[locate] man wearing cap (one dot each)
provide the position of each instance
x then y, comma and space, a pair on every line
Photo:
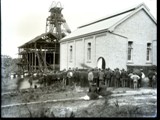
154, 79
150, 76
90, 77
117, 77
64, 75
96, 77
108, 77
70, 76
141, 78
101, 76
135, 79
123, 78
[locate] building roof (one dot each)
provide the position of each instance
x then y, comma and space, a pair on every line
107, 23
38, 38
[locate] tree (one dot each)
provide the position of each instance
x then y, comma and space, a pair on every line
9, 65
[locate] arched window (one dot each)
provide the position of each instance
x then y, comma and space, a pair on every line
89, 51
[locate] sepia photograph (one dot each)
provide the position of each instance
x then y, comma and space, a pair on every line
78, 58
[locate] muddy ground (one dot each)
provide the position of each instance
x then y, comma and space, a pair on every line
123, 102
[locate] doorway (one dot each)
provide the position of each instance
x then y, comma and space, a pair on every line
101, 63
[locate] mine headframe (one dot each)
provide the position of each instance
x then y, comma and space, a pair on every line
55, 22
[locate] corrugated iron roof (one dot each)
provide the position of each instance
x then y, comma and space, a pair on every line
37, 38
104, 23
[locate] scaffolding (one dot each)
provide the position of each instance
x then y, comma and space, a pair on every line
40, 54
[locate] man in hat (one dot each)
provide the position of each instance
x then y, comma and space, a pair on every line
64, 75
154, 79
150, 76
76, 76
142, 77
117, 77
130, 81
108, 77
96, 77
123, 78
70, 76
90, 77
101, 76
135, 79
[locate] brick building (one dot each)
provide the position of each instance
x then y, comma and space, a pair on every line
125, 39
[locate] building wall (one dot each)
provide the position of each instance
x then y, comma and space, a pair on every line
115, 51
154, 52
79, 53
63, 56
111, 47
140, 29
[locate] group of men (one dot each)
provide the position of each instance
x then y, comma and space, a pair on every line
121, 78
114, 78
110, 78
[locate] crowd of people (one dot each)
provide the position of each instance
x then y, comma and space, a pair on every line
97, 77
121, 78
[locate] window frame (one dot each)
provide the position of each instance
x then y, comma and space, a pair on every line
130, 51
89, 48
148, 52
70, 53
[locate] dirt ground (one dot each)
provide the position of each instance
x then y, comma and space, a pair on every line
123, 102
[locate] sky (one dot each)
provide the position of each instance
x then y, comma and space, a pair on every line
23, 20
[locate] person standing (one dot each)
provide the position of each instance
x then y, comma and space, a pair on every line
135, 79
90, 77
101, 76
96, 77
154, 79
130, 81
117, 76
52, 77
30, 81
142, 77
113, 78
76, 77
69, 76
123, 78
150, 76
64, 75
108, 77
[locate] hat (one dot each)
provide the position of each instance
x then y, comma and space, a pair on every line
153, 69
93, 84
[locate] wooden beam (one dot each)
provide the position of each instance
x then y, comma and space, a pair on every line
35, 58
32, 61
